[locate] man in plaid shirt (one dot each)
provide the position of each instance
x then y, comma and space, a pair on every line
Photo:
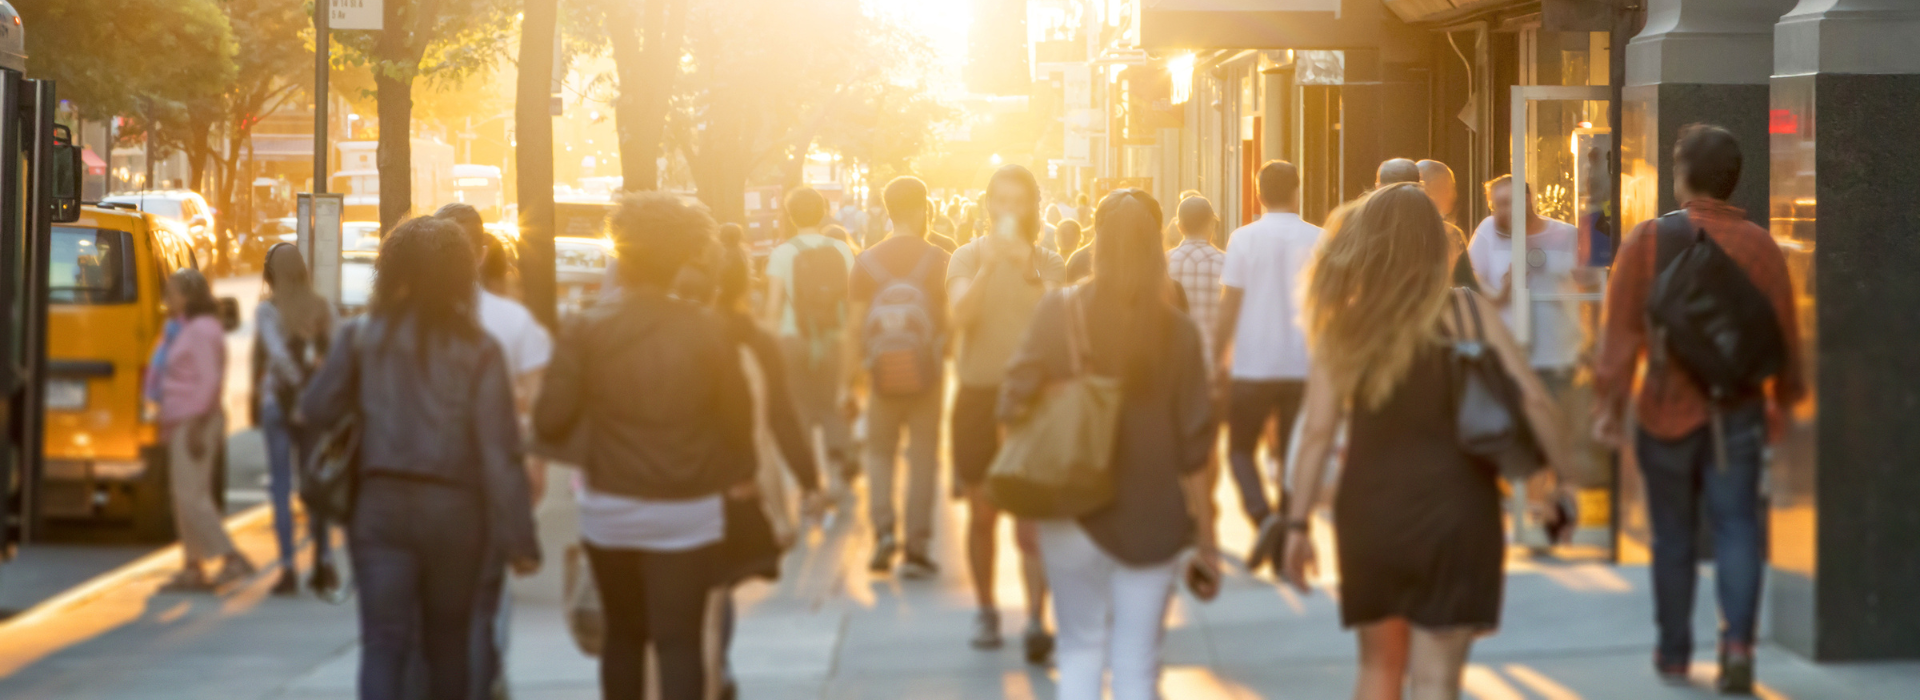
1196, 264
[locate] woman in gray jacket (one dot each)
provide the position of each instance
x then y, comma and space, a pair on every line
441, 482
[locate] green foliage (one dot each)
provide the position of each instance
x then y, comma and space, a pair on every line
443, 41
112, 57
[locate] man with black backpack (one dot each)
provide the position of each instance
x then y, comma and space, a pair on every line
807, 307
898, 331
1704, 295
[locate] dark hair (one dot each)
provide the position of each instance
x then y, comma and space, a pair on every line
303, 314
654, 234
1279, 184
805, 207
468, 218
1127, 317
494, 267
1060, 234
731, 234
199, 295
906, 199
1020, 176
1711, 158
426, 270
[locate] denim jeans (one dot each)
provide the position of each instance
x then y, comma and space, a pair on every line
282, 441
418, 548
1251, 405
1681, 477
659, 599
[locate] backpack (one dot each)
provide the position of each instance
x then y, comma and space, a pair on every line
819, 288
898, 335
1707, 315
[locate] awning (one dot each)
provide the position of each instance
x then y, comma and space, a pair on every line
1270, 24
94, 163
283, 147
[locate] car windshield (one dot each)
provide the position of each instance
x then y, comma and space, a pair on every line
579, 257
356, 282
89, 266
160, 205
360, 236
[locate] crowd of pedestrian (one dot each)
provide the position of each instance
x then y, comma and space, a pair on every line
699, 388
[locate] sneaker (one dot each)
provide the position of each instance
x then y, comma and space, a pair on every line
986, 630
189, 580
918, 566
235, 568
289, 583
1039, 644
1736, 669
883, 550
325, 580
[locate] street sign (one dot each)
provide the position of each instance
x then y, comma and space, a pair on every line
317, 236
355, 14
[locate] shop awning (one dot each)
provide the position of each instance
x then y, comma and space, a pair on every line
94, 164
283, 147
1268, 24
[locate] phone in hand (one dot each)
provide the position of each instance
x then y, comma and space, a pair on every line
1202, 580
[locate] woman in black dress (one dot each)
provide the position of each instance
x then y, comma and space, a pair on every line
1418, 520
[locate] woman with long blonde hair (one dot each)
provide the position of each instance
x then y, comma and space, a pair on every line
1421, 550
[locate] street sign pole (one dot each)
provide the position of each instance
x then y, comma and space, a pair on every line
321, 56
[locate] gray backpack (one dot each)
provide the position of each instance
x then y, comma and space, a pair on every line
899, 336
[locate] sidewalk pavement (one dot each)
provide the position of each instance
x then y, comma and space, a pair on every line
1572, 631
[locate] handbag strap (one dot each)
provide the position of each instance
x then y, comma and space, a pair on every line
1476, 333
1077, 330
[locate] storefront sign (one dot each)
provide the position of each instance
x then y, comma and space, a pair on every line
355, 14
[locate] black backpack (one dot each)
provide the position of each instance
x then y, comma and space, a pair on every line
819, 288
1708, 316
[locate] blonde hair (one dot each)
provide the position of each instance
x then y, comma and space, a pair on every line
1376, 289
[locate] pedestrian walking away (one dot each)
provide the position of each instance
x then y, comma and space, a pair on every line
1440, 185
188, 381
526, 347
292, 331
995, 282
807, 306
656, 383
1260, 351
897, 346
1113, 570
442, 481
1421, 552
1196, 265
1700, 451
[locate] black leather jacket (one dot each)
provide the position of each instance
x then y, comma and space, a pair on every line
444, 416
657, 386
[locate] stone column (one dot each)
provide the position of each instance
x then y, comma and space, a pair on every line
1845, 161
1696, 61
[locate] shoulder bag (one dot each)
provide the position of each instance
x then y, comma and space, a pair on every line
1056, 461
1490, 423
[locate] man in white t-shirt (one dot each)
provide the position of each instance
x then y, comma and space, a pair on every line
1552, 258
810, 337
1260, 353
527, 347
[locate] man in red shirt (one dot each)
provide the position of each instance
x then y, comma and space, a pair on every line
1675, 444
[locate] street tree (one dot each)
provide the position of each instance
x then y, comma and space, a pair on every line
441, 41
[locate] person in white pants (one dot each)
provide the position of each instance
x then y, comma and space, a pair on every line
1113, 568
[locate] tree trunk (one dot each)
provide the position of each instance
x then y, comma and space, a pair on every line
647, 57
533, 156
394, 154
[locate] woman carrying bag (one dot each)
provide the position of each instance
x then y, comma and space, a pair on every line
293, 328
440, 485
1418, 508
1114, 566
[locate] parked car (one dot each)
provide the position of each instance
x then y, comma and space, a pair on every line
186, 207
106, 277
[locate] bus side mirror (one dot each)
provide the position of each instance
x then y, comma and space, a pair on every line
65, 170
